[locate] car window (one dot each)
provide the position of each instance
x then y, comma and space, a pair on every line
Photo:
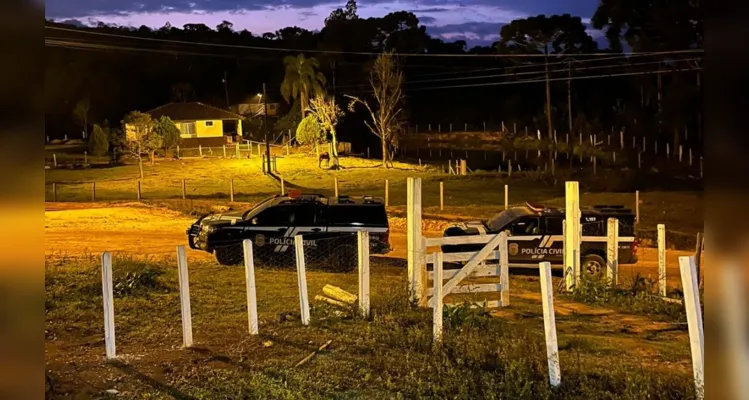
525, 226
304, 215
554, 226
350, 214
277, 216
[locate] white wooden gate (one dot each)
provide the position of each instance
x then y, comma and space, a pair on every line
486, 271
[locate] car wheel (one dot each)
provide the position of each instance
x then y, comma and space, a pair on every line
229, 255
343, 258
593, 265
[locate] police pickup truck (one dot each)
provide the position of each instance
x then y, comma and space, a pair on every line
535, 235
328, 226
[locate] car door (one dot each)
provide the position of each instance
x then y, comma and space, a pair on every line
552, 243
525, 239
272, 227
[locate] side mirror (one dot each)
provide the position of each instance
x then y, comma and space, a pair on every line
254, 221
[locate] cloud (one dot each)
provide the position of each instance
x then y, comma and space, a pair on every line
430, 10
423, 19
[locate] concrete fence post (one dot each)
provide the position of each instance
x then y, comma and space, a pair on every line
612, 252
184, 296
108, 296
93, 191
363, 242
694, 321
504, 270
387, 192
662, 259
249, 273
437, 294
283, 189
223, 147
550, 329
231, 190
301, 279
442, 196
184, 189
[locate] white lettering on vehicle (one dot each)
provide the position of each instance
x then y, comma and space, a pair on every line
541, 251
287, 241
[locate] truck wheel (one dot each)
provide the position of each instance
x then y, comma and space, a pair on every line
593, 265
343, 258
229, 255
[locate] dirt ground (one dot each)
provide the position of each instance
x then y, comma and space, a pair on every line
135, 229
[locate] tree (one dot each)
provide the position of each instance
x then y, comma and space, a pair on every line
327, 113
170, 135
139, 136
385, 79
310, 132
301, 80
80, 113
98, 143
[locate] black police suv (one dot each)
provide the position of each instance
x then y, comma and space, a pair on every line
328, 227
535, 235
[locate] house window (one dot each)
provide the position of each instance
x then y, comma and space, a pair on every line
208, 123
187, 129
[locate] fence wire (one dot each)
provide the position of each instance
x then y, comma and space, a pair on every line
330, 254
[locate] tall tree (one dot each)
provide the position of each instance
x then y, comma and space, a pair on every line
80, 113
302, 80
167, 131
385, 80
139, 137
325, 109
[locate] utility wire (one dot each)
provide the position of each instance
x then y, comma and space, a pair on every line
232, 46
557, 79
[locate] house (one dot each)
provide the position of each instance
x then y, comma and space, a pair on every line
253, 105
201, 124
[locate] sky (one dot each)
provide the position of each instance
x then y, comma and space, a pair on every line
476, 21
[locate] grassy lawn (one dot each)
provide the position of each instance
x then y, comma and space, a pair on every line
475, 196
605, 353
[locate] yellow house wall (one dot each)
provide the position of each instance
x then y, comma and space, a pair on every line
201, 130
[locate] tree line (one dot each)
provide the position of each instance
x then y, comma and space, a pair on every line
544, 72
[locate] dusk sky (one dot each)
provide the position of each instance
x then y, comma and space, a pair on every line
476, 21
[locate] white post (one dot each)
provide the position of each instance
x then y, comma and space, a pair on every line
301, 277
442, 196
336, 186
504, 271
662, 260
54, 160
680, 152
734, 326
507, 197
363, 237
107, 292
184, 296
550, 328
612, 252
249, 274
572, 235
637, 206
621, 139
200, 150
387, 192
283, 188
437, 293
414, 241
694, 321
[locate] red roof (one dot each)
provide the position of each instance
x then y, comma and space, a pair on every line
194, 111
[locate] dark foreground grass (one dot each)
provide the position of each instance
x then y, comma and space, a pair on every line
389, 356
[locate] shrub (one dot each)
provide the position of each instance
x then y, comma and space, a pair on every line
98, 143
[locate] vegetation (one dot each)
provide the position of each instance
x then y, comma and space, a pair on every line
167, 132
310, 132
386, 80
389, 356
98, 143
327, 113
302, 80
140, 137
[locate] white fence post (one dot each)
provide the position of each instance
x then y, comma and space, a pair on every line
550, 328
442, 196
249, 274
694, 321
437, 293
301, 276
107, 292
504, 270
416, 265
363, 237
637, 206
507, 197
572, 235
734, 326
387, 192
184, 296
612, 252
662, 260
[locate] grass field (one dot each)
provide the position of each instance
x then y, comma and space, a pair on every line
605, 353
478, 195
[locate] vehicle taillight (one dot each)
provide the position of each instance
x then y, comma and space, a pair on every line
635, 244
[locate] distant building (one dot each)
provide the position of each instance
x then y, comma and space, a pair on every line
254, 106
201, 124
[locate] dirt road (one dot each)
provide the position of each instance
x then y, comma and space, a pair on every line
75, 229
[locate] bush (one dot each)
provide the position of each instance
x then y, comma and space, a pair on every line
309, 131
98, 143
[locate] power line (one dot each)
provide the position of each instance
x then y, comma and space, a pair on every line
556, 79
232, 46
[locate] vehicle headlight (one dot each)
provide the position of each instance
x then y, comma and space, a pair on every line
209, 228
